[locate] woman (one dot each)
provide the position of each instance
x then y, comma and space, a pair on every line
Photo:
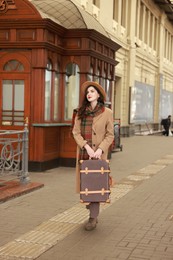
93, 132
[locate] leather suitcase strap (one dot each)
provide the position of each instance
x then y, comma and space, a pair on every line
102, 170
102, 192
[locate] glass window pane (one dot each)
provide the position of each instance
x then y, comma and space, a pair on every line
7, 95
18, 123
7, 113
18, 118
72, 80
7, 67
7, 118
19, 95
108, 91
13, 65
56, 96
97, 76
90, 74
20, 67
13, 102
47, 95
104, 81
19, 113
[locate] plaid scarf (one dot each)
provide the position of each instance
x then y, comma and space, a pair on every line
86, 127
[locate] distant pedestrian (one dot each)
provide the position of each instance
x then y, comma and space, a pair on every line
166, 123
93, 132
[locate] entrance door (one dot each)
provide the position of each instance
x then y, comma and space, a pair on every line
14, 96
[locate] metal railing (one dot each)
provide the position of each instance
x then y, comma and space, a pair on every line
14, 155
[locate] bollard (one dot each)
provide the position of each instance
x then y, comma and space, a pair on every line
24, 179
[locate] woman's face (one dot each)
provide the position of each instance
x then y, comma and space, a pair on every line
92, 94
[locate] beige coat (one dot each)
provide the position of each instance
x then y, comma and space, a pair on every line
102, 136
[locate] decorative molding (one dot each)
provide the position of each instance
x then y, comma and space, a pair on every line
123, 31
6, 5
114, 25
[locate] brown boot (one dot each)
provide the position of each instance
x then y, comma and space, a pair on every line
92, 223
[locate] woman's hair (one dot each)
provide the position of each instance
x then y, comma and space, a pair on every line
86, 103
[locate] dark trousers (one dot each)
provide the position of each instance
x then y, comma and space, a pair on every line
94, 208
166, 132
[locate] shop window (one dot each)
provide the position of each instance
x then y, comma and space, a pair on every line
72, 81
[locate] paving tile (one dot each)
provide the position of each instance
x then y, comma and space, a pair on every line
14, 250
152, 169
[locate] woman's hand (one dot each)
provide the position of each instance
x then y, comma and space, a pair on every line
98, 153
89, 150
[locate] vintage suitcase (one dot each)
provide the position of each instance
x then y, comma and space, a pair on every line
94, 181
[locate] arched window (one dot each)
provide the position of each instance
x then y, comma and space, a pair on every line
13, 65
72, 79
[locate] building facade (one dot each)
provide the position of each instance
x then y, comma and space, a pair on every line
143, 92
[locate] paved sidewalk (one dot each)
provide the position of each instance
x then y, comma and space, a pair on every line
47, 224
